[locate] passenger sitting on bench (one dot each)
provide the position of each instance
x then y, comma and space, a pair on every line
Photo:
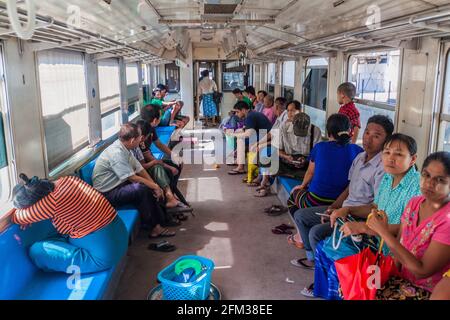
298, 136
177, 119
85, 229
162, 173
149, 115
123, 181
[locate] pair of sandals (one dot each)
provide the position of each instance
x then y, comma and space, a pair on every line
283, 229
163, 246
275, 210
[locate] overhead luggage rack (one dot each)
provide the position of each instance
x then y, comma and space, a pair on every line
52, 34
395, 33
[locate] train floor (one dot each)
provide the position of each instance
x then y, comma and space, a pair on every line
229, 227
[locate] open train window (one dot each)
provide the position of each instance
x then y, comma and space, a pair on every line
444, 130
62, 83
271, 78
315, 89
288, 80
233, 78
109, 86
173, 77
376, 77
132, 71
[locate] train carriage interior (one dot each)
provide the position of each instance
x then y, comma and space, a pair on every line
138, 133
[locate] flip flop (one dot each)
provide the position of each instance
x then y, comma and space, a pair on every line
166, 233
235, 172
262, 193
285, 226
291, 241
277, 230
162, 246
277, 211
301, 263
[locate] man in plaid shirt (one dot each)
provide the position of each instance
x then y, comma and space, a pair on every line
346, 93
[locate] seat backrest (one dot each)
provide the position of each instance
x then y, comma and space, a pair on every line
86, 171
16, 267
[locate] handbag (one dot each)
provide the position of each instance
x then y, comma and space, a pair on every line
362, 274
337, 247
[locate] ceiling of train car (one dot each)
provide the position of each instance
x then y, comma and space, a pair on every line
261, 25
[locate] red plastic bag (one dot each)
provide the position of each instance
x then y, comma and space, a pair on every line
360, 275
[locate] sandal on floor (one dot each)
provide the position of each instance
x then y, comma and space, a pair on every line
262, 193
277, 210
291, 241
308, 292
236, 172
253, 184
166, 233
285, 227
162, 246
301, 264
278, 230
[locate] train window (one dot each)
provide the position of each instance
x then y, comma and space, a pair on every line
288, 82
5, 179
444, 132
271, 70
315, 88
173, 77
62, 85
233, 78
376, 76
109, 86
132, 90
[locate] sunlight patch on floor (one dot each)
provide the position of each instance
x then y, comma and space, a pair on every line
203, 189
217, 226
219, 250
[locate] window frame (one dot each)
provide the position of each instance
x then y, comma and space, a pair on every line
48, 171
224, 68
305, 76
442, 118
175, 68
286, 88
374, 103
7, 173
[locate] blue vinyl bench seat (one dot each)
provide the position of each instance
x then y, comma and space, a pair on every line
288, 183
20, 279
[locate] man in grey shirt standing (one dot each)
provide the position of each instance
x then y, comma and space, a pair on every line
365, 176
120, 177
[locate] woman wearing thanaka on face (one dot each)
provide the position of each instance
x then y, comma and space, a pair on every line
398, 185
